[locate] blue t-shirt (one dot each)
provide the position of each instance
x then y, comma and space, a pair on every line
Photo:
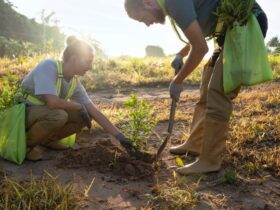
184, 12
42, 81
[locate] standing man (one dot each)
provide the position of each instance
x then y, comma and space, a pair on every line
210, 122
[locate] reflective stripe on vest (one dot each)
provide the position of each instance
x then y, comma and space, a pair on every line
218, 29
72, 86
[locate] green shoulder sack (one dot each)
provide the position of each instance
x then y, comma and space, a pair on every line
245, 60
12, 134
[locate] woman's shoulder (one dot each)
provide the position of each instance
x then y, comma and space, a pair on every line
48, 61
47, 65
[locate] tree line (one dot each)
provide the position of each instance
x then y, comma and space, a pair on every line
273, 45
21, 35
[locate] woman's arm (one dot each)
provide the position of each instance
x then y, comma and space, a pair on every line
54, 102
102, 120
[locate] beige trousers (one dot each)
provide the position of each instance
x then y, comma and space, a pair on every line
44, 125
215, 103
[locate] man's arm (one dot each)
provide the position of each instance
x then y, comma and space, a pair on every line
184, 51
178, 62
198, 49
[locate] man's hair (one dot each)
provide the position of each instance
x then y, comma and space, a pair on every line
132, 6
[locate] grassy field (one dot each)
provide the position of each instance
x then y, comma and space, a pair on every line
251, 162
118, 72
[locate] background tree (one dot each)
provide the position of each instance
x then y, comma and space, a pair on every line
273, 42
154, 51
14, 26
277, 50
273, 45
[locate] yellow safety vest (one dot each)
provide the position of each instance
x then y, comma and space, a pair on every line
70, 140
73, 84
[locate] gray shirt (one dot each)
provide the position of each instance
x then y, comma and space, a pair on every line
42, 80
184, 12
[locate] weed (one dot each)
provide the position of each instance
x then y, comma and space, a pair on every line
250, 167
230, 176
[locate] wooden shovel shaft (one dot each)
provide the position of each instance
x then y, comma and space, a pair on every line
170, 128
171, 116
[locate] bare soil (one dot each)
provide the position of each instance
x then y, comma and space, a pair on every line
122, 182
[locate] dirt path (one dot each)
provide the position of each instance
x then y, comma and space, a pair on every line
124, 183
120, 95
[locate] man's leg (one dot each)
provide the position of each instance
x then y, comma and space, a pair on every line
194, 142
219, 109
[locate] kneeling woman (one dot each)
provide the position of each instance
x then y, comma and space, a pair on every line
57, 103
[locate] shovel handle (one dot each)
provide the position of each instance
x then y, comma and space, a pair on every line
170, 128
172, 116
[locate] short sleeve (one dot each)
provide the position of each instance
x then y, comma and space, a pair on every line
182, 11
45, 76
80, 95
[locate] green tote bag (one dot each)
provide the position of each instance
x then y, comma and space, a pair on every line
12, 134
245, 59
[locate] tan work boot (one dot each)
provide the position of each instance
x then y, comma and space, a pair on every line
214, 138
55, 145
33, 154
194, 143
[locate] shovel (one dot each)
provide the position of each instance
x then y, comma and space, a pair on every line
169, 130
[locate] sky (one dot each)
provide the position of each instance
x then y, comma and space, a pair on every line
107, 22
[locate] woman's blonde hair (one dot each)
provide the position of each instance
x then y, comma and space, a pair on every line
76, 47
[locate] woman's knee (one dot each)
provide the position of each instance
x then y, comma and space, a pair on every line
59, 116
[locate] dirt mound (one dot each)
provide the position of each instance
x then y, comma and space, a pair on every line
105, 157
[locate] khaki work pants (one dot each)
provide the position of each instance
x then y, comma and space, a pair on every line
213, 101
44, 125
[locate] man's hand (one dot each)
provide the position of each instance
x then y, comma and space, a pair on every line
85, 116
175, 90
177, 63
125, 142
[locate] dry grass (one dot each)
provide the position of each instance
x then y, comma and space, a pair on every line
119, 72
39, 193
174, 194
254, 142
127, 71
